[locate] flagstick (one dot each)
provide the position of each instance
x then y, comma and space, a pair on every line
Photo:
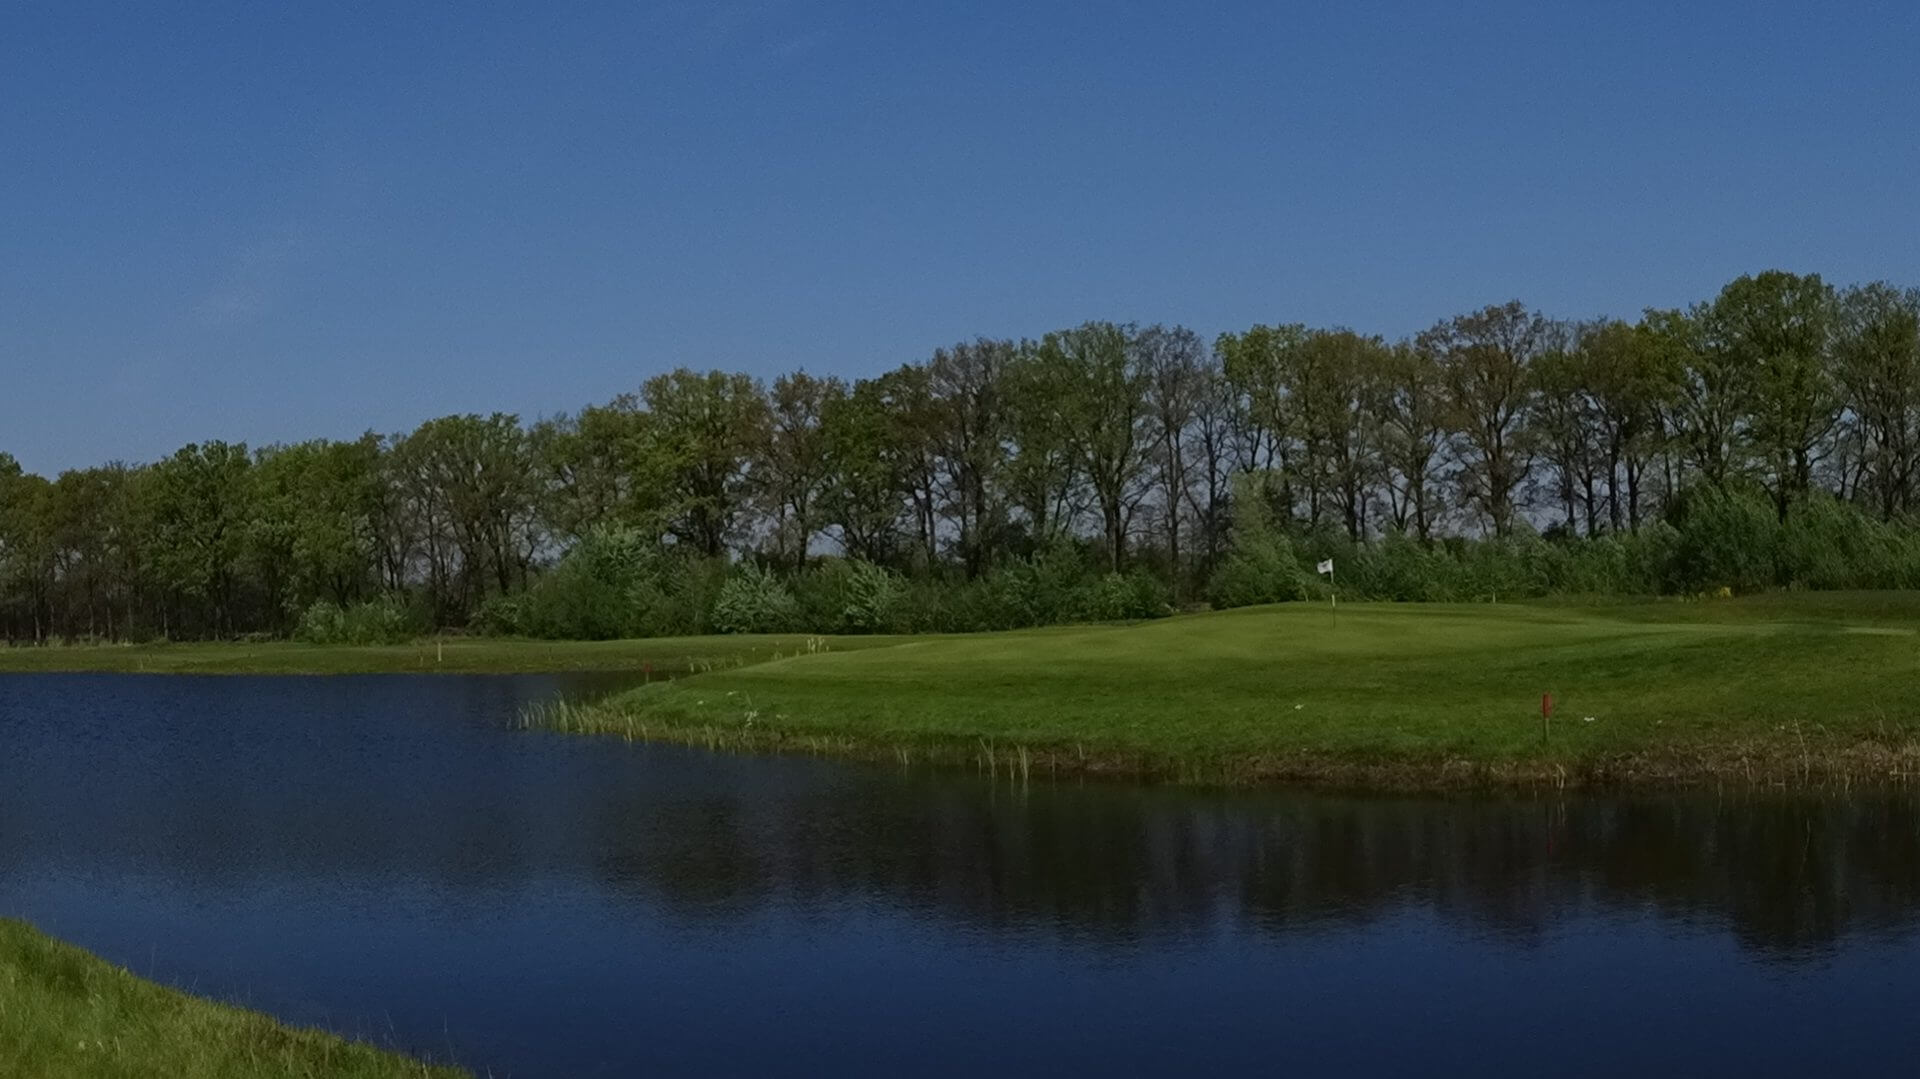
1333, 592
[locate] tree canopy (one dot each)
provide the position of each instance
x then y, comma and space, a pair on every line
1141, 447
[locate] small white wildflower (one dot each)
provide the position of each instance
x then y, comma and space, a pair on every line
1590, 719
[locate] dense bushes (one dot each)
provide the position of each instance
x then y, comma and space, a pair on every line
1262, 568
1829, 544
619, 584
1735, 539
755, 601
377, 621
1712, 539
1725, 539
850, 596
613, 584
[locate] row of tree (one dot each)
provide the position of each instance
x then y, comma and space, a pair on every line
1136, 442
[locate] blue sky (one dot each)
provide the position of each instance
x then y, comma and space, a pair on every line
264, 223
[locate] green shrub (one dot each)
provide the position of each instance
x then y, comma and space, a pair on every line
1411, 572
847, 595
374, 621
926, 606
1123, 597
1724, 537
1827, 543
569, 601
1262, 569
753, 600
1261, 566
614, 583
1041, 590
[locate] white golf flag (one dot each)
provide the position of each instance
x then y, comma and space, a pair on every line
1326, 566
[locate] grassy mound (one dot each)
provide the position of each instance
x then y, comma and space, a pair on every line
1794, 689
65, 1013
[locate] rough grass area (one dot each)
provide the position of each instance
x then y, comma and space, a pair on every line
666, 655
1790, 689
65, 1014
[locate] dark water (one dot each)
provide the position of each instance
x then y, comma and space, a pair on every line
382, 856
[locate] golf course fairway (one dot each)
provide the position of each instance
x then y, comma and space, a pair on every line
1797, 689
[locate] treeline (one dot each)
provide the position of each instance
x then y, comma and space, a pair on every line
1767, 437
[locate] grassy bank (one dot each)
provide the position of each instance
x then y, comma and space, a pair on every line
675, 655
65, 1014
1795, 689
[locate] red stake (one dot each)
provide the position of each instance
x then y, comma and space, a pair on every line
1546, 706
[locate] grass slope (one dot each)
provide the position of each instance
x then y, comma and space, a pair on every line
65, 1013
677, 655
1796, 688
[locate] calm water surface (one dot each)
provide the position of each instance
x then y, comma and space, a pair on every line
383, 856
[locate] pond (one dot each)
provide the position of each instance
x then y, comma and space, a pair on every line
385, 856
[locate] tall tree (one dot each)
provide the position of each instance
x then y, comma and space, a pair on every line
1878, 354
966, 383
27, 546
793, 463
472, 478
1777, 329
331, 497
1567, 431
862, 497
197, 512
1097, 380
1211, 449
1257, 364
1631, 379
94, 550
1337, 393
1174, 359
704, 433
1413, 434
1707, 413
1043, 472
1485, 362
907, 394
593, 470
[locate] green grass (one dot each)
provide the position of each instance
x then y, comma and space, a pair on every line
65, 1013
1798, 689
677, 655
1795, 688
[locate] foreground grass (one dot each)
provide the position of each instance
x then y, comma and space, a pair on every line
666, 655
65, 1013
1809, 689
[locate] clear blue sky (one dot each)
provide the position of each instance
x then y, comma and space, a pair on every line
234, 220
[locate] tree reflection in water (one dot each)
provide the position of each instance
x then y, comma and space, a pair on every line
1788, 876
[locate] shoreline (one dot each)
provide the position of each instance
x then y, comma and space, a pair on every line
1787, 763
70, 1012
1805, 691
663, 656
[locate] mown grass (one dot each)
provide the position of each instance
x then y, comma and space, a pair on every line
1794, 689
665, 655
65, 1014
